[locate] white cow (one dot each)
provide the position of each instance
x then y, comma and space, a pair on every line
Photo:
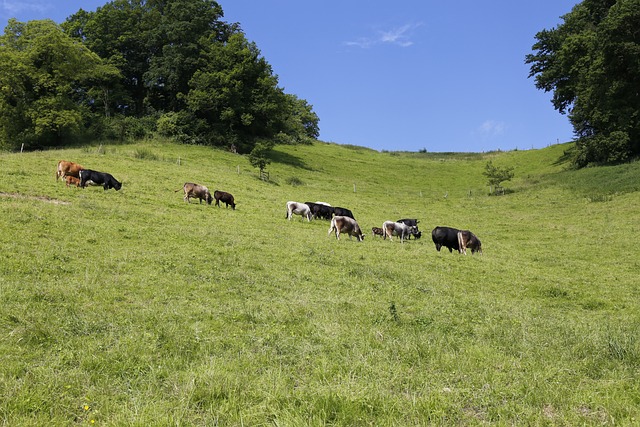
392, 228
298, 209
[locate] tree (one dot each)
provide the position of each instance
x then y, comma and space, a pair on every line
591, 62
259, 155
497, 175
45, 79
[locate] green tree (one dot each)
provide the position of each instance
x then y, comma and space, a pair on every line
259, 156
497, 175
45, 79
591, 62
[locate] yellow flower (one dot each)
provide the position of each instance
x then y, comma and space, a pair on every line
86, 407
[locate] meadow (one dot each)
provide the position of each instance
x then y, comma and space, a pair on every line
134, 308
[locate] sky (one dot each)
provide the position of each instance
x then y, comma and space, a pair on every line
406, 75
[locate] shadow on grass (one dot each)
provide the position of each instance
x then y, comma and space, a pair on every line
288, 159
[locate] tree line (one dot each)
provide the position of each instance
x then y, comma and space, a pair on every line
591, 63
133, 67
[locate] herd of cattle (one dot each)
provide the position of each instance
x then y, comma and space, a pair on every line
342, 219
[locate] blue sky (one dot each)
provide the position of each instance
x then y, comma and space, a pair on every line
404, 75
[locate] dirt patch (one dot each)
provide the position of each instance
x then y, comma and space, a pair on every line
40, 198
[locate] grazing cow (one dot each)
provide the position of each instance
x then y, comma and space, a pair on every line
466, 239
391, 228
345, 224
196, 191
225, 197
447, 237
99, 178
320, 210
414, 223
377, 231
72, 180
298, 209
337, 211
66, 168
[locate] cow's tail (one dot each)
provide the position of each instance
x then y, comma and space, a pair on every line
58, 170
332, 227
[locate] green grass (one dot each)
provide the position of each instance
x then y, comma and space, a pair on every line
136, 308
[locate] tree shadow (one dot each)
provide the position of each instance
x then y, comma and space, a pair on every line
288, 159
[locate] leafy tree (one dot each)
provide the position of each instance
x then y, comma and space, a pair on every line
45, 77
591, 62
259, 156
497, 175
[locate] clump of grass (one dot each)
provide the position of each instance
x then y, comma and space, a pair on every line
599, 198
145, 154
294, 181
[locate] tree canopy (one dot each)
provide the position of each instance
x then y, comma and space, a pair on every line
171, 65
591, 63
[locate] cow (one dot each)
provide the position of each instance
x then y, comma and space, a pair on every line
66, 168
414, 223
72, 180
298, 209
466, 239
225, 197
345, 224
337, 211
99, 178
321, 210
391, 228
447, 237
196, 191
377, 231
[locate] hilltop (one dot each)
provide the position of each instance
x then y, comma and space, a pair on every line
134, 307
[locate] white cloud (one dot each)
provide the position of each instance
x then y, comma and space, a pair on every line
18, 6
491, 128
400, 36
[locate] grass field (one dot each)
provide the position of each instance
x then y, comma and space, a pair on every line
135, 308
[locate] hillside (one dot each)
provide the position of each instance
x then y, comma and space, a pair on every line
136, 308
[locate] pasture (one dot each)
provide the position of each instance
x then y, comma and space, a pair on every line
136, 308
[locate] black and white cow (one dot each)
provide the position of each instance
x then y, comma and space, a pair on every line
321, 210
99, 178
337, 211
345, 224
298, 209
392, 228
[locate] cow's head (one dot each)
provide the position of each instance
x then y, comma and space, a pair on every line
208, 198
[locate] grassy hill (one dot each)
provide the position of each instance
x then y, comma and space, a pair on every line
136, 308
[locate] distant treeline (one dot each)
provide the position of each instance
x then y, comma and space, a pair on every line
136, 67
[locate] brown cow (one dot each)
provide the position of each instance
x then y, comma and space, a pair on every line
377, 231
72, 180
196, 191
225, 197
66, 168
344, 224
466, 239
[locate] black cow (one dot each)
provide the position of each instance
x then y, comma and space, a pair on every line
225, 197
447, 237
322, 211
99, 178
337, 211
412, 223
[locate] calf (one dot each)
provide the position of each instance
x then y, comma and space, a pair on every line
72, 180
466, 239
66, 168
298, 209
447, 237
337, 211
196, 191
377, 231
99, 178
345, 224
391, 228
225, 197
